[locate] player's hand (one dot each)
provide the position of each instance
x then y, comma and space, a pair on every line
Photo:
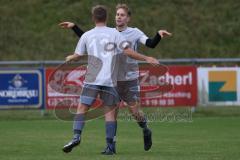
164, 33
73, 57
69, 58
66, 25
152, 61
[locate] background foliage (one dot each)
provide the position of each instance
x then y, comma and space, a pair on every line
201, 29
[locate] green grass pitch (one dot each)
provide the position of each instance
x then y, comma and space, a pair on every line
205, 138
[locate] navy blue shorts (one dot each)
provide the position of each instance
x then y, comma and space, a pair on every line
129, 91
108, 95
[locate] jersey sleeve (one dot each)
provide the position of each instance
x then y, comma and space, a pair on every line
152, 42
78, 31
81, 46
142, 38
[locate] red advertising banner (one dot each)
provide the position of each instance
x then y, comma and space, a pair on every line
62, 87
163, 87
176, 87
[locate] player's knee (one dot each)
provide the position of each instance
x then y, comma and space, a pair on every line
132, 104
134, 109
110, 116
110, 113
82, 108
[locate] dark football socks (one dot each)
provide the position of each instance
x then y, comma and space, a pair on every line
78, 125
111, 127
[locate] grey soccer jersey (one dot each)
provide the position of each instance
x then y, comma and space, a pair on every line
129, 67
102, 45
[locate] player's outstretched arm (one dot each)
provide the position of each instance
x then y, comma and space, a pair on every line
72, 57
164, 33
66, 25
69, 25
152, 42
131, 53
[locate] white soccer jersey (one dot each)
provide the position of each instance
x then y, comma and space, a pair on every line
129, 67
102, 44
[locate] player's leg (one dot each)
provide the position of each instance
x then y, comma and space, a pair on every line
88, 96
142, 122
115, 114
115, 135
78, 125
111, 100
129, 91
110, 129
137, 113
79, 120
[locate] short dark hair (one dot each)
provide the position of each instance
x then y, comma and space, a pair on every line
124, 7
99, 13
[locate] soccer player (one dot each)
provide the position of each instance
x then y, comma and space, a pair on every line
103, 45
128, 77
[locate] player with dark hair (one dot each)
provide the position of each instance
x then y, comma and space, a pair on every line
94, 43
128, 85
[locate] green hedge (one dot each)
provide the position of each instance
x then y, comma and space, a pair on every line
201, 28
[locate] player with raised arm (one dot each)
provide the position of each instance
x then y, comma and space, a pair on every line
128, 85
94, 43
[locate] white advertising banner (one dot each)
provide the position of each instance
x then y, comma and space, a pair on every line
218, 86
